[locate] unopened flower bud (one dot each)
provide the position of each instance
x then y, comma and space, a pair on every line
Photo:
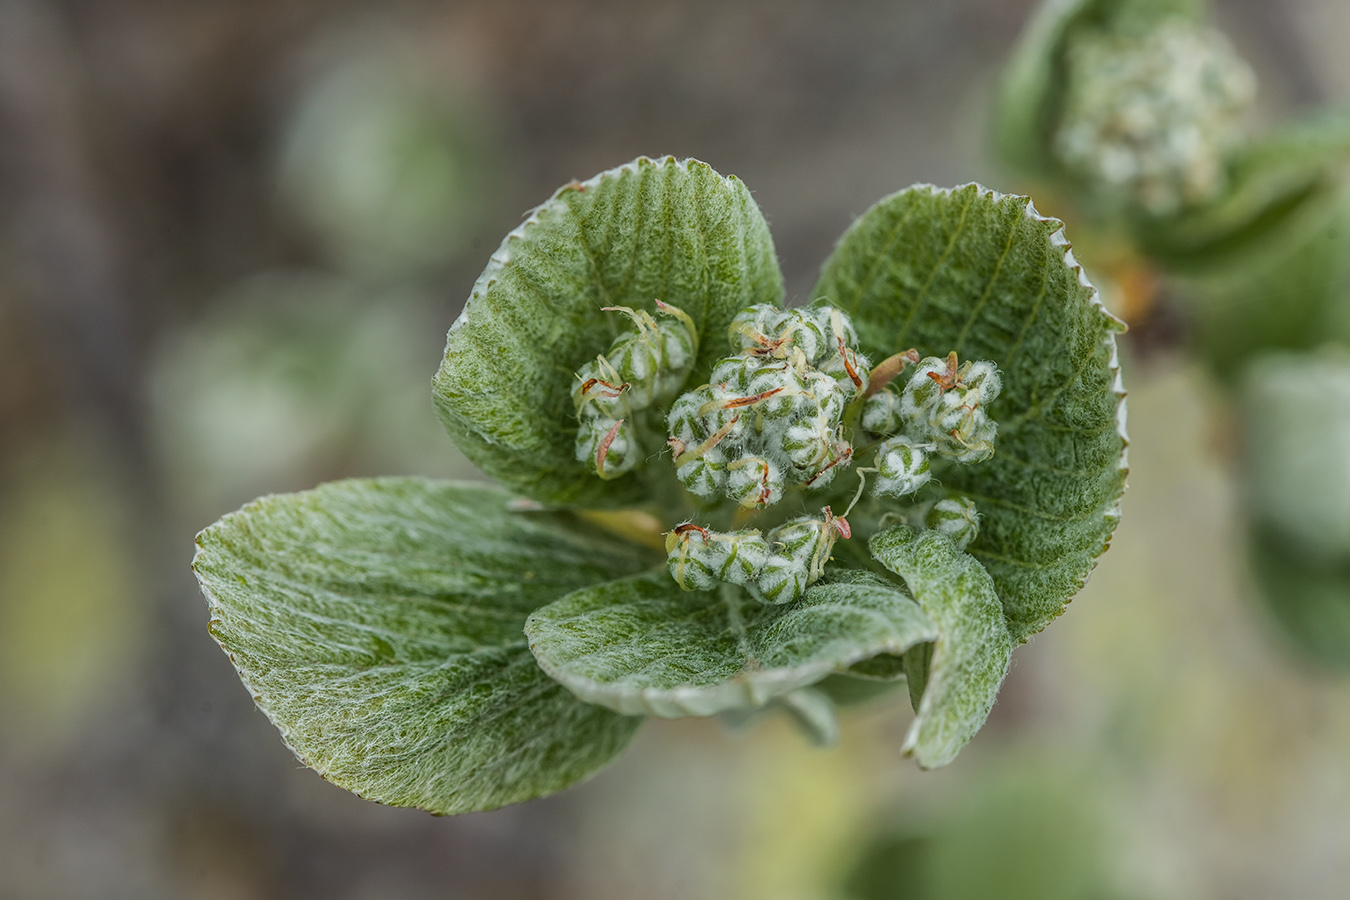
754, 482
881, 413
698, 559
955, 517
902, 468
649, 363
798, 552
608, 445
775, 417
944, 404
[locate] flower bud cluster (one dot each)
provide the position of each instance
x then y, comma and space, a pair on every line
644, 367
770, 417
1150, 117
776, 568
941, 410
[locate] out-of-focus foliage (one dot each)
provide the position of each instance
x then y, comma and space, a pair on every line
296, 375
1134, 108
72, 604
384, 164
1297, 414
1025, 833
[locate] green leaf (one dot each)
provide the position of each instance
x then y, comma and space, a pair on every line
813, 711
1296, 413
667, 229
1306, 596
1285, 293
970, 656
983, 274
645, 646
1296, 410
378, 625
847, 690
1282, 188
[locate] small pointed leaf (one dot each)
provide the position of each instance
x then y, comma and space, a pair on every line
378, 625
652, 229
970, 656
984, 274
645, 646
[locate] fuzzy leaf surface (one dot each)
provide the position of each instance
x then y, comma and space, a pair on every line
667, 229
378, 624
969, 658
983, 274
645, 646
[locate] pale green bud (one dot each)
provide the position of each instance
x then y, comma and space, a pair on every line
955, 517
850, 371
767, 331
608, 445
654, 359
783, 387
772, 415
808, 445
754, 482
600, 392
902, 468
698, 559
798, 552
704, 476
881, 413
754, 327
644, 366
802, 328
838, 359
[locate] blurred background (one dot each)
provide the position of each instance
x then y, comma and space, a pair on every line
232, 235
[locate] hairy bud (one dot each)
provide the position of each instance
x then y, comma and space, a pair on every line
771, 416
944, 405
902, 467
646, 365
699, 559
777, 567
955, 517
1150, 117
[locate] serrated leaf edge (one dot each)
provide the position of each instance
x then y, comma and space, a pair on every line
1114, 325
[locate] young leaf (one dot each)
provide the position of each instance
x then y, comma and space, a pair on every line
970, 656
653, 229
984, 274
1306, 596
1282, 188
1283, 294
378, 625
645, 646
